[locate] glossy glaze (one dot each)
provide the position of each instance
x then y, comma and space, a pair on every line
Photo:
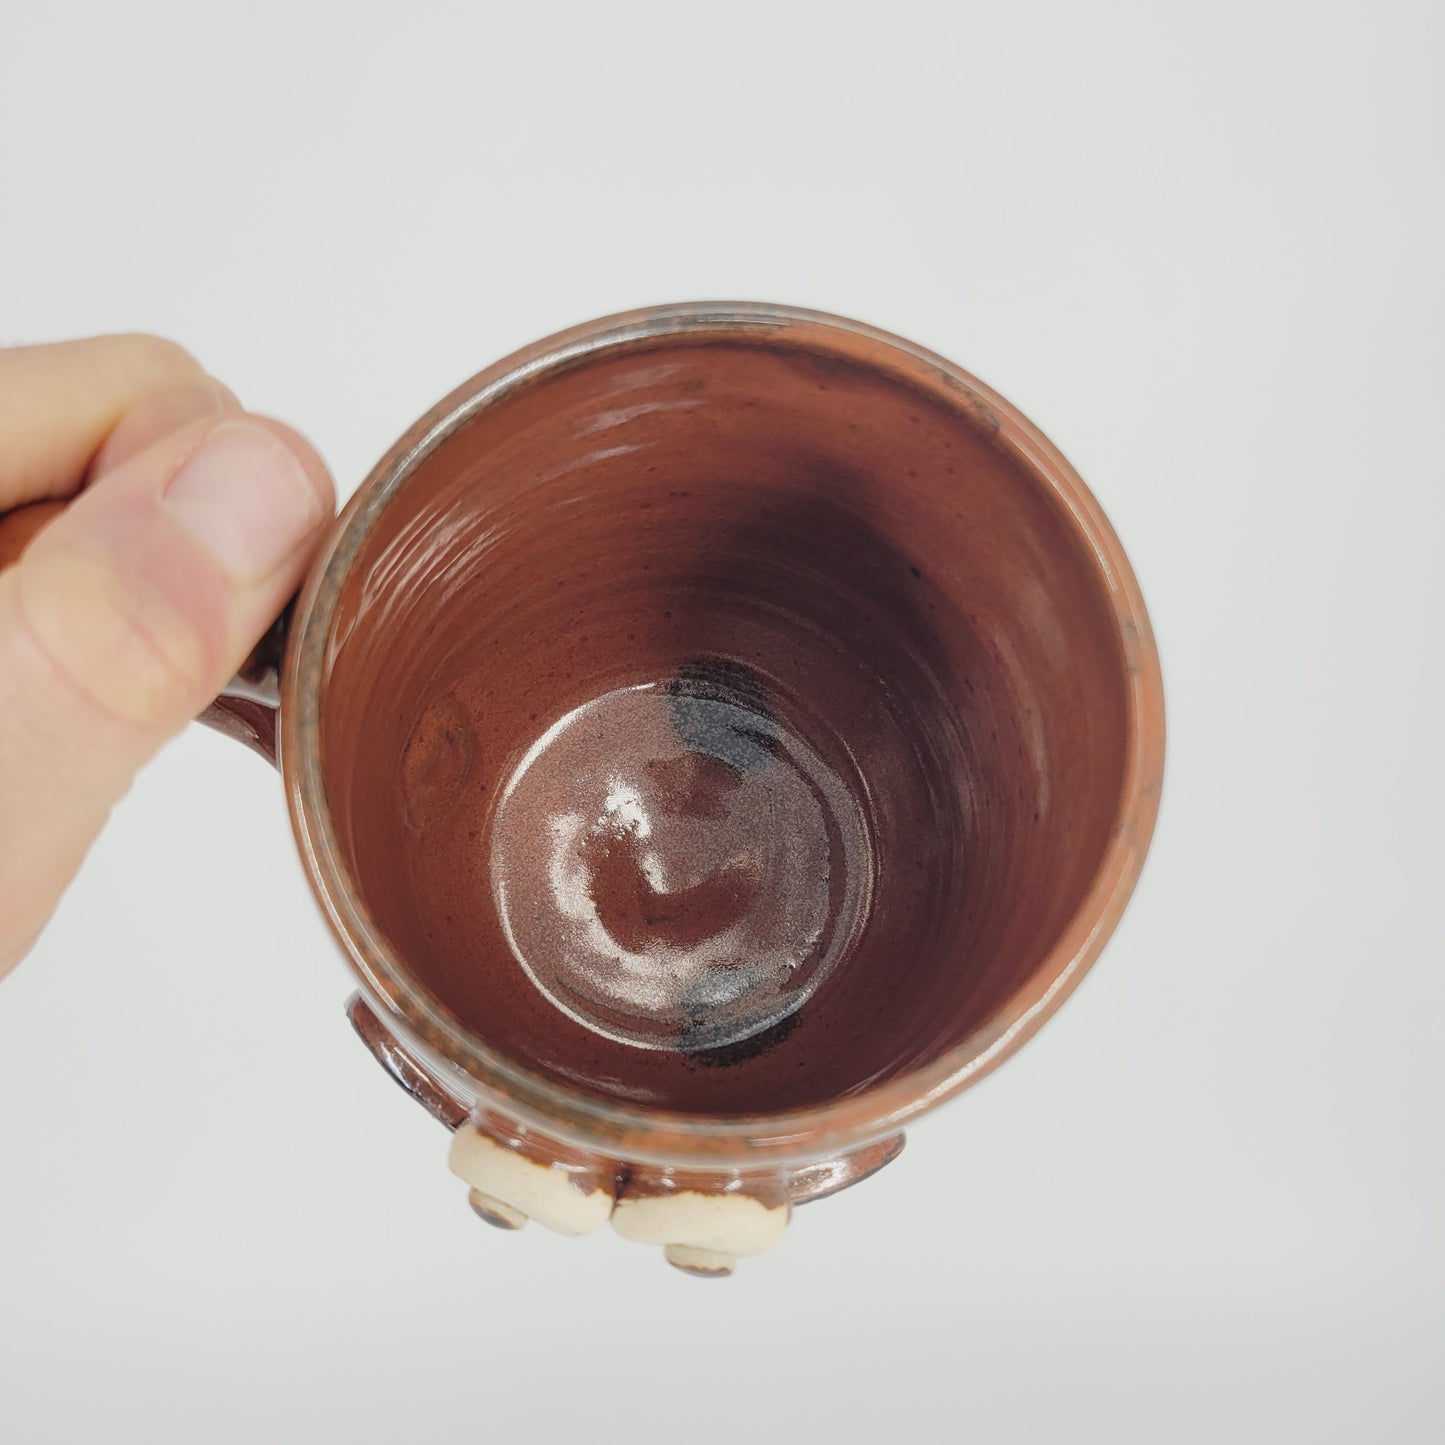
246, 710
852, 569
716, 735
428, 1091
515, 1177
703, 1222
673, 869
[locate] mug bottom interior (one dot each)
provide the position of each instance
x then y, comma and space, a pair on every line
674, 865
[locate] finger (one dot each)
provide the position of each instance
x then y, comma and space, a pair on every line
124, 617
19, 528
149, 419
58, 404
151, 416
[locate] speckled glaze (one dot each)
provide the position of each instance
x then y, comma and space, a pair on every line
710, 564
716, 734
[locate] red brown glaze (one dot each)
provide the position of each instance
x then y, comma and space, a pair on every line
404, 1069
246, 710
864, 565
716, 734
828, 1176
489, 1214
244, 720
790, 537
769, 1190
802, 1186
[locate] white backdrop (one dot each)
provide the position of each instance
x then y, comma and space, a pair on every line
1201, 246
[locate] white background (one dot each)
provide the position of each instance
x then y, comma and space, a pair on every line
1201, 245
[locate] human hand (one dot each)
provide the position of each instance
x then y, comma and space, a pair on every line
177, 527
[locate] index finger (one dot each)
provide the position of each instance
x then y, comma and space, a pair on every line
59, 403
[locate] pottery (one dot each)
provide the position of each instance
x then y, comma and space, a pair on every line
715, 735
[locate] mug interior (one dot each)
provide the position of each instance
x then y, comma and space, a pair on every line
722, 725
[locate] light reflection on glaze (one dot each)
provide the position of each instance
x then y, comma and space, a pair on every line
673, 870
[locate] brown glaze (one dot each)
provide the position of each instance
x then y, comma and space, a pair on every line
802, 1186
488, 1213
769, 1190
246, 720
246, 710
869, 551
404, 1069
828, 1176
846, 564
717, 734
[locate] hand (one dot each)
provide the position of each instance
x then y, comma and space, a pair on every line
191, 524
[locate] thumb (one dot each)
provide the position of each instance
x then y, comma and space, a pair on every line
123, 619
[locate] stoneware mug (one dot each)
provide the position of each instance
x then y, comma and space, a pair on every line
715, 734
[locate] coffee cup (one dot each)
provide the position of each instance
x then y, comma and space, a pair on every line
715, 735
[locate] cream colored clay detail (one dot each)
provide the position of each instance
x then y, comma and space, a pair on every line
494, 1211
526, 1189
701, 1233
705, 1263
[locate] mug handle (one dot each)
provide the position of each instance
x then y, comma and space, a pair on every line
247, 707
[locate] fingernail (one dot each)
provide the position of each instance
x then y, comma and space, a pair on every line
245, 497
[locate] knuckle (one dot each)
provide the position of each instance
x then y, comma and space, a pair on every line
160, 358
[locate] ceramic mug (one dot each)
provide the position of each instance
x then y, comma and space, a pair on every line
715, 734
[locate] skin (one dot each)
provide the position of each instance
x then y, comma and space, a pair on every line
178, 526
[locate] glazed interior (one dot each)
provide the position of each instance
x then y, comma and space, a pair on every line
723, 727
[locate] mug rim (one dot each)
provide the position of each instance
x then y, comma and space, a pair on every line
660, 1136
